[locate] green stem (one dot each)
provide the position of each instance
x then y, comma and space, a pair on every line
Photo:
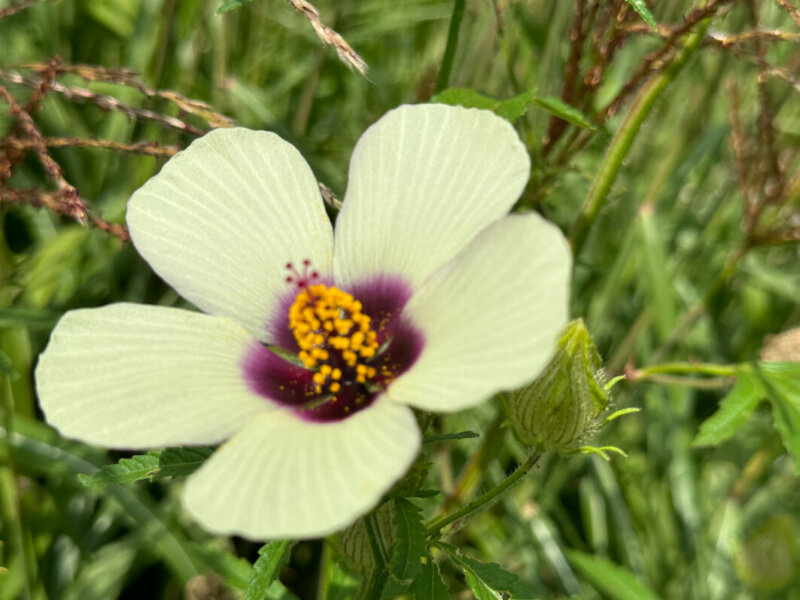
470, 477
623, 138
452, 42
380, 571
682, 368
690, 382
9, 498
483, 502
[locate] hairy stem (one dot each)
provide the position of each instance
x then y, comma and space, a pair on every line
380, 572
434, 528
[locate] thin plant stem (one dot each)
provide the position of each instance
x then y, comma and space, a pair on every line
434, 528
380, 572
452, 42
470, 476
623, 139
684, 368
689, 382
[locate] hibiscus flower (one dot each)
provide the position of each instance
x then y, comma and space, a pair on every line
313, 348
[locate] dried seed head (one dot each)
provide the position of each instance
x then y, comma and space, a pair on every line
783, 347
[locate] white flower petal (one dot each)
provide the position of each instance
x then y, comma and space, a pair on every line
136, 376
222, 219
283, 477
424, 180
490, 317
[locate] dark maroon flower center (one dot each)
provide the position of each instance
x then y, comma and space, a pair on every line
344, 347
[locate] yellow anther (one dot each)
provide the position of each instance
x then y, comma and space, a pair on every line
357, 340
326, 320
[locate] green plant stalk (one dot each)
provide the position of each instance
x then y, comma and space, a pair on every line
623, 138
380, 571
683, 368
452, 42
483, 502
470, 477
9, 499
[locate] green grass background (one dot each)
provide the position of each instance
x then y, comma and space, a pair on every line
676, 521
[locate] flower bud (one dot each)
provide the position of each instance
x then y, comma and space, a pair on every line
563, 406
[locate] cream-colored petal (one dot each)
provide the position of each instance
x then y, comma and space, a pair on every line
136, 376
424, 180
284, 477
490, 317
223, 218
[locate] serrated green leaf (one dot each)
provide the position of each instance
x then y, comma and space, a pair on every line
511, 109
409, 547
230, 5
480, 589
733, 411
126, 470
492, 576
615, 581
564, 111
461, 435
640, 7
781, 382
429, 584
178, 462
156, 464
271, 557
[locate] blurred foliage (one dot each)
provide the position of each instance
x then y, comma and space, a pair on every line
690, 259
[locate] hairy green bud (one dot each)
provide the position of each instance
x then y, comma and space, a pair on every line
563, 406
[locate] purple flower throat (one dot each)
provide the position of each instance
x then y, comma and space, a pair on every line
335, 350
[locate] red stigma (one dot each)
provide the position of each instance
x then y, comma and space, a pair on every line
302, 279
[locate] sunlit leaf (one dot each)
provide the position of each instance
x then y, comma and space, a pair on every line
733, 411
271, 558
564, 111
489, 579
781, 383
156, 464
511, 109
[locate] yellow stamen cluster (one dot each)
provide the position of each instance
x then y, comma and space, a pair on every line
325, 318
